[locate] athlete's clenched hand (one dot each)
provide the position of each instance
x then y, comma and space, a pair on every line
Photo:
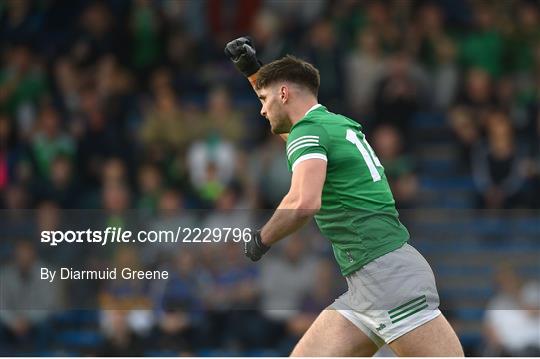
255, 248
242, 53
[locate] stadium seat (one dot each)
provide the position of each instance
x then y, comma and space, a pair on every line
217, 353
263, 353
80, 339
427, 120
77, 318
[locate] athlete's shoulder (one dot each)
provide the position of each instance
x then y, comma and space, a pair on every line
321, 121
307, 124
329, 121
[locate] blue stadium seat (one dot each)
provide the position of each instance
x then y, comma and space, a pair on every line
470, 314
5, 250
77, 317
80, 339
458, 294
427, 120
217, 353
464, 183
530, 271
454, 270
438, 166
454, 202
528, 225
471, 339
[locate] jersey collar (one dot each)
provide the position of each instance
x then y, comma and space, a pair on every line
314, 107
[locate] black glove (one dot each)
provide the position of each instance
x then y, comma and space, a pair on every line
242, 53
255, 249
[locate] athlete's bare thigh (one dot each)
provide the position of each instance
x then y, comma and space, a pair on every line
434, 338
331, 334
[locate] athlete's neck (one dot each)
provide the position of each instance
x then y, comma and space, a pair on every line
299, 111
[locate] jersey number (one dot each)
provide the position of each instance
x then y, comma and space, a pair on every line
367, 152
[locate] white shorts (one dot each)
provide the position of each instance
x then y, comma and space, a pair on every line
390, 295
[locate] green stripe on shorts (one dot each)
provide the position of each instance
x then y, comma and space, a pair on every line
408, 314
407, 304
409, 308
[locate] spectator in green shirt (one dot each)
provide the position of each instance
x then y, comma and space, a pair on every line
483, 47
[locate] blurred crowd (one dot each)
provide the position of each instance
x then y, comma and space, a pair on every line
122, 103
118, 105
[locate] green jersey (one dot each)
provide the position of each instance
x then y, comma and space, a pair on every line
358, 213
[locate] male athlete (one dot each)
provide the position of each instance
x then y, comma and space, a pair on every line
336, 177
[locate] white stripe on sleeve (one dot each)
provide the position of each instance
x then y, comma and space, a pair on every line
301, 138
302, 146
309, 140
309, 156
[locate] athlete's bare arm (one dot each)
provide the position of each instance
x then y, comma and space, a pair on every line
300, 204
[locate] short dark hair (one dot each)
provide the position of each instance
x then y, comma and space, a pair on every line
289, 68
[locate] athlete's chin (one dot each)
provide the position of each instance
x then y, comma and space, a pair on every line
277, 130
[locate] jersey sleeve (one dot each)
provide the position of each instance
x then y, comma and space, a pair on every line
306, 142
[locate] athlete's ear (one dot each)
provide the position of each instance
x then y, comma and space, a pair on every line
284, 94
